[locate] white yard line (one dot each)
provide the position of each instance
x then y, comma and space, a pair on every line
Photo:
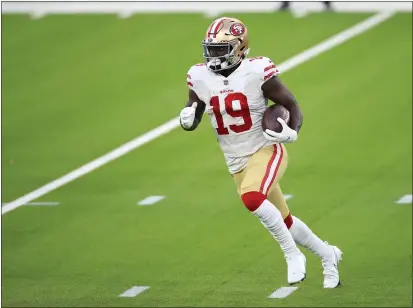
38, 203
43, 203
406, 199
151, 200
334, 41
174, 123
283, 292
134, 291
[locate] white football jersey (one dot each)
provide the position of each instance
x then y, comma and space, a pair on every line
235, 105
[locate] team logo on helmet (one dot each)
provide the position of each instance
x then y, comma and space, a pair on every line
237, 29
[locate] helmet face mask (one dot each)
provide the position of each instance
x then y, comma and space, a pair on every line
218, 56
225, 44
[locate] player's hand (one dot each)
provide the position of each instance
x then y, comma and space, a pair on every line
287, 134
187, 116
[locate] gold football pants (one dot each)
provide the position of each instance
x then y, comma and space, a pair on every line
264, 170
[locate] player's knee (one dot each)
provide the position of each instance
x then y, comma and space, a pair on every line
252, 200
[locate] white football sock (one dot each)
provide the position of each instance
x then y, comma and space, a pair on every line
303, 236
272, 220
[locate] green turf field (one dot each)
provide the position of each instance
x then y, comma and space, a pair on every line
75, 87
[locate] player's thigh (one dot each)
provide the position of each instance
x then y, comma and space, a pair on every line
238, 178
276, 197
265, 168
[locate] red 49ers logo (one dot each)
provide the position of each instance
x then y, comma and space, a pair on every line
237, 29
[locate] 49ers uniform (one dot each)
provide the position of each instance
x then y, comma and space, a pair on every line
235, 106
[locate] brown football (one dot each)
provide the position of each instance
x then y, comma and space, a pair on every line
269, 119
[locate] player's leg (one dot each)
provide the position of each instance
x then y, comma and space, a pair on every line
302, 235
264, 168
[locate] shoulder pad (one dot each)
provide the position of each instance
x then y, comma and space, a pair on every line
264, 67
196, 72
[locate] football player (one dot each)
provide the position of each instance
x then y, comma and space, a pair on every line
234, 91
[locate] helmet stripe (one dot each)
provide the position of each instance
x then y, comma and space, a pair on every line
215, 25
210, 27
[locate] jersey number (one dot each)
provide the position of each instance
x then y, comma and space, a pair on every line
243, 113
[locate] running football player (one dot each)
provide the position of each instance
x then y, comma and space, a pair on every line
234, 91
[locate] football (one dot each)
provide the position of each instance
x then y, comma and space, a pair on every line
269, 119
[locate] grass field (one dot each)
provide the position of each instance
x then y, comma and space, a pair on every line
75, 87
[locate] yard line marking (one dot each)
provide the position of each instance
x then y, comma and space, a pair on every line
335, 40
151, 200
287, 197
406, 199
38, 203
174, 123
283, 292
134, 291
43, 203
116, 153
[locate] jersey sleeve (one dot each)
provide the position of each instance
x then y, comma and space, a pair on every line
265, 69
194, 80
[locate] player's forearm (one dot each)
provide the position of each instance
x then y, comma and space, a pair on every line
296, 116
276, 91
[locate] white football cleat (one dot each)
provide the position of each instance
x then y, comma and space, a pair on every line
296, 267
330, 266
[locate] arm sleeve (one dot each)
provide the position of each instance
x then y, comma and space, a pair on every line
266, 69
194, 80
